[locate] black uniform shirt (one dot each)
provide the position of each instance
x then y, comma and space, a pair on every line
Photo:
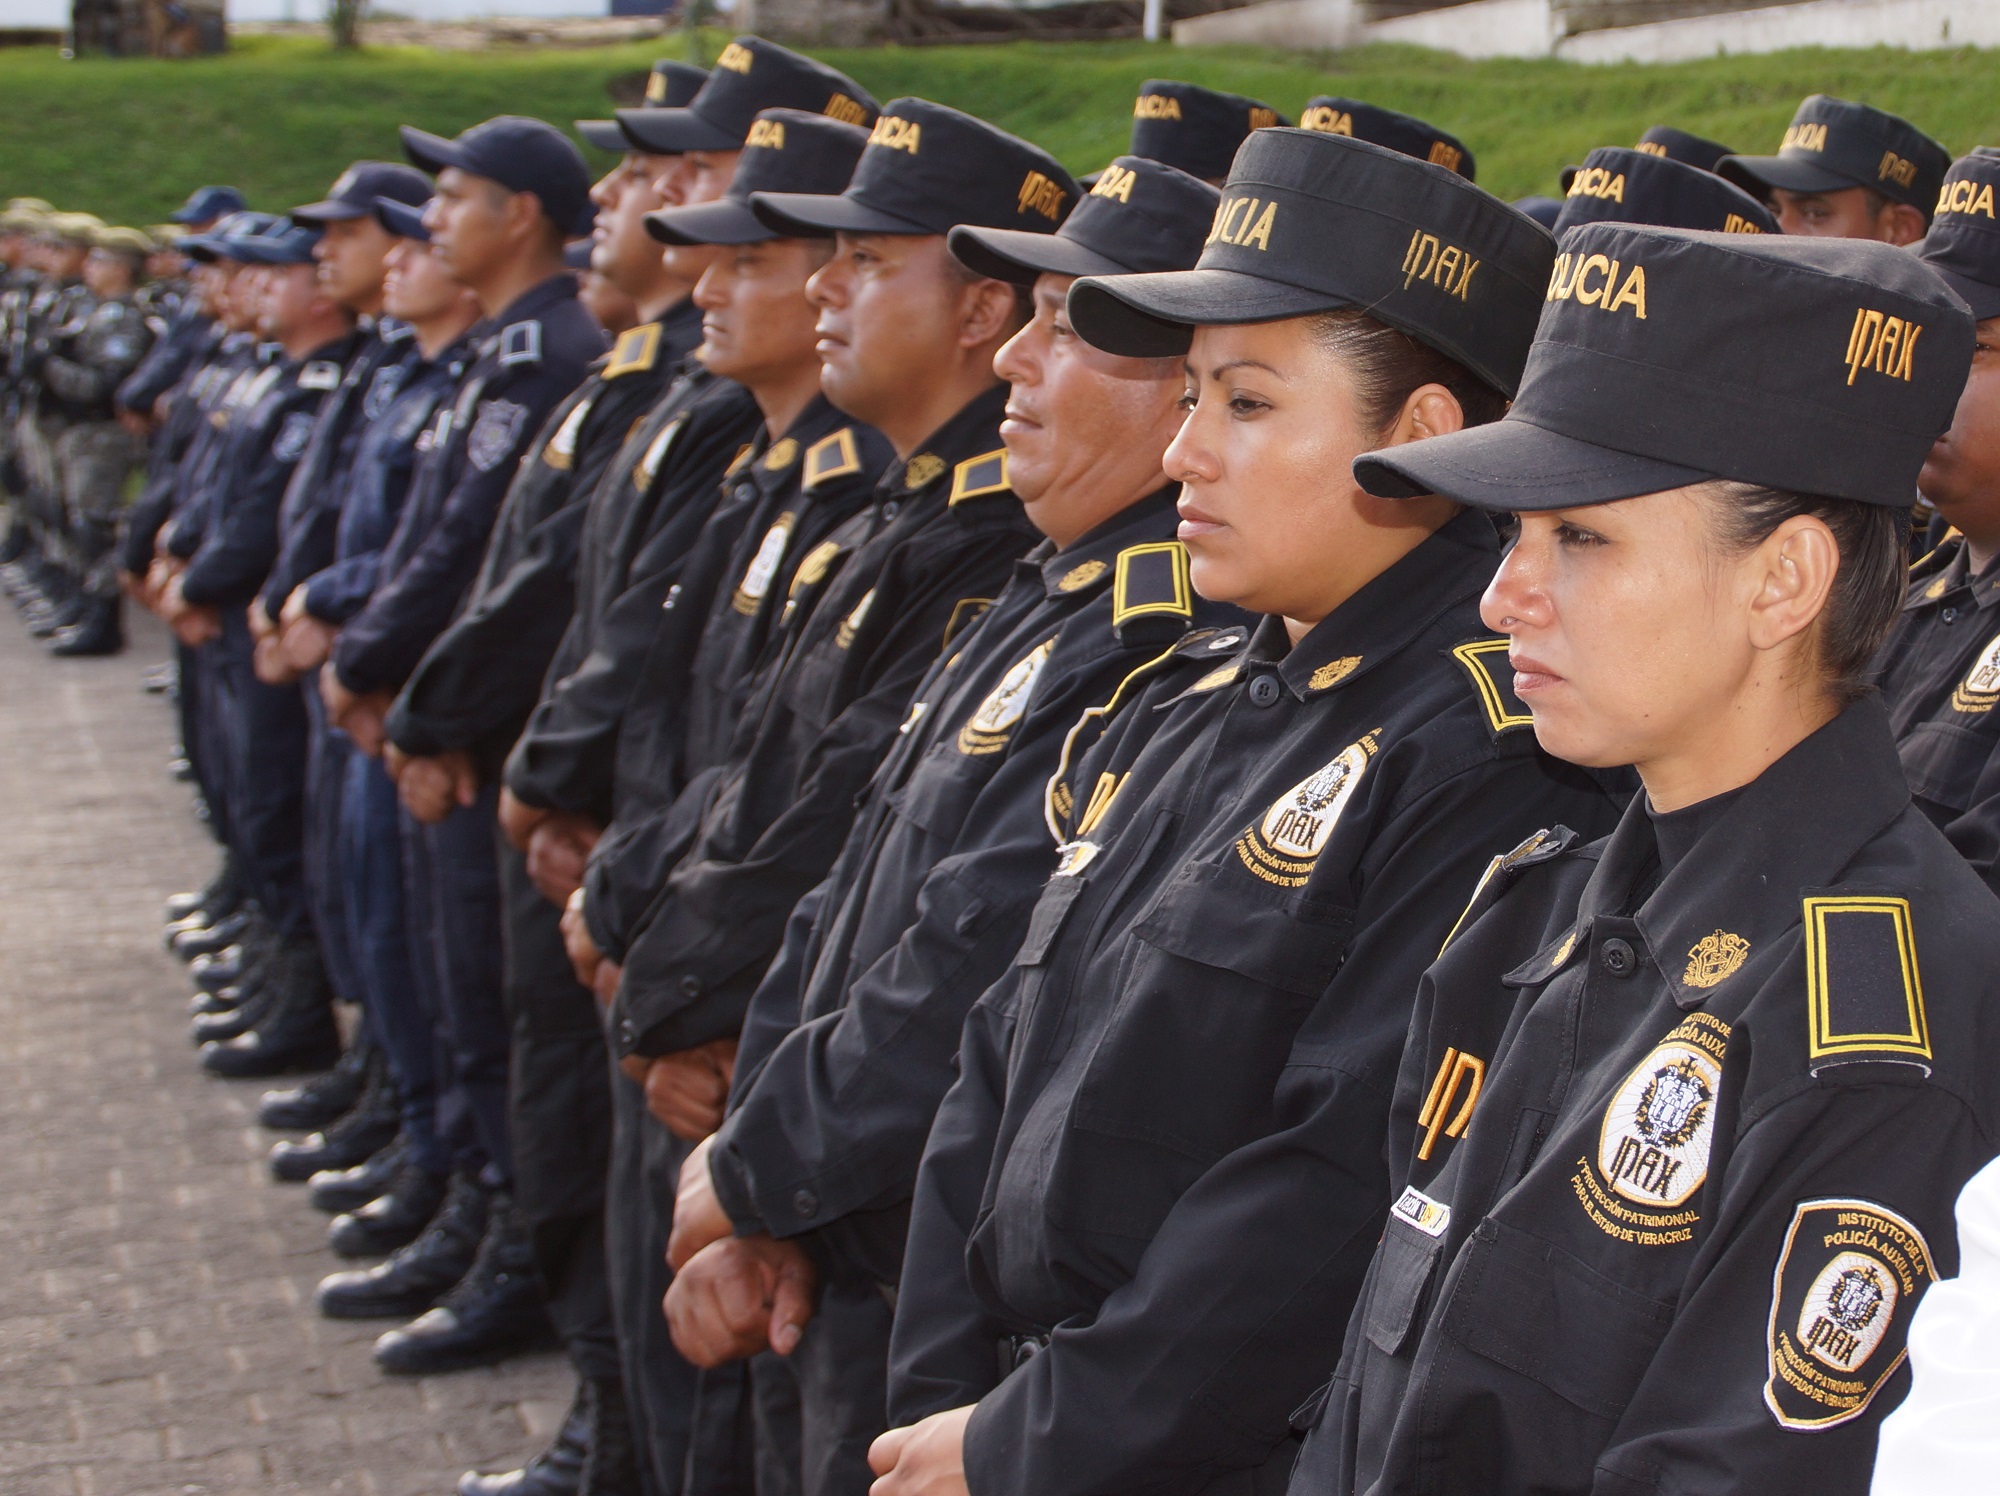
850, 1040
1166, 1142
175, 350
225, 388
480, 679
1940, 674
634, 541
531, 355
935, 546
170, 443
1678, 1152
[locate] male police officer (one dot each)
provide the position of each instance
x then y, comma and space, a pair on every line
180, 342
1847, 171
849, 1040
1940, 670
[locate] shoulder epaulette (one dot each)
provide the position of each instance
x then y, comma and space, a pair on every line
320, 374
976, 477
1495, 687
1864, 994
520, 343
831, 457
636, 350
1151, 597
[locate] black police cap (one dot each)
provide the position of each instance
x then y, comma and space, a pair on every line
927, 169
1404, 133
1615, 185
1963, 245
1139, 216
1194, 128
750, 76
1667, 357
1415, 245
404, 220
670, 85
1833, 145
226, 240
1544, 210
788, 151
282, 241
1675, 145
354, 192
207, 204
522, 155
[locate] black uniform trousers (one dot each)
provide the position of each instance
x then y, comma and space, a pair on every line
326, 892
263, 730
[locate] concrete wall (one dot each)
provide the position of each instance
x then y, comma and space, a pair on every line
416, 10
1486, 28
1300, 24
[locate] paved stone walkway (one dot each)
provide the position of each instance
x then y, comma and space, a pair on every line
156, 1325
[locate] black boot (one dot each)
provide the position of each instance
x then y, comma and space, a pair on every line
98, 630
234, 964
208, 939
233, 1011
612, 1467
223, 896
337, 1190
228, 1000
297, 1032
418, 1275
495, 1310
60, 612
324, 1099
390, 1220
557, 1470
359, 1134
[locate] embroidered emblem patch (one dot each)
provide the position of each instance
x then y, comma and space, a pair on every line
560, 450
292, 437
763, 566
1421, 1211
1981, 687
495, 432
781, 454
1935, 591
1714, 958
381, 390
1221, 675
851, 624
1847, 1281
1333, 672
1283, 847
1079, 577
1457, 1084
655, 454
1005, 705
1653, 1145
925, 467
814, 568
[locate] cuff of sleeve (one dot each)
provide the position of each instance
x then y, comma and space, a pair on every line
731, 1180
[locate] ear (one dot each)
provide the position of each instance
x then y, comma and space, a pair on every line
986, 313
523, 215
1903, 224
1793, 573
1430, 410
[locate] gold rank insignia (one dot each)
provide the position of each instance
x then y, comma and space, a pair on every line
1332, 673
925, 467
1504, 711
1864, 993
636, 350
978, 476
832, 457
1935, 591
736, 463
781, 454
1079, 577
1152, 581
1714, 959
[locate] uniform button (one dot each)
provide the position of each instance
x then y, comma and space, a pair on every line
891, 509
628, 1033
691, 986
806, 1203
1265, 691
1949, 615
1618, 958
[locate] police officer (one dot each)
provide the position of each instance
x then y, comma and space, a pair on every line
1150, 1196
1938, 672
509, 192
95, 454
849, 1040
1194, 129
176, 345
1847, 171
1615, 185
1333, 115
19, 222
1674, 145
1683, 1114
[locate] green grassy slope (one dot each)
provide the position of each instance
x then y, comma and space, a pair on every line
281, 116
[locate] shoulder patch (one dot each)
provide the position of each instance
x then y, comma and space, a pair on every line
831, 457
1059, 800
965, 612
292, 437
520, 343
494, 434
320, 374
560, 450
637, 349
1151, 596
1865, 996
1848, 1279
976, 477
1504, 711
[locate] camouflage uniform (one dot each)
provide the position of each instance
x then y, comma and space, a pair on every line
93, 455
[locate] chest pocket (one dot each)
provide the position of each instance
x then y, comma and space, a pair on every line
1404, 1265
1944, 761
942, 790
1212, 919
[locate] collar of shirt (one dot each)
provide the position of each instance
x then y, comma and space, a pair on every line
1939, 579
973, 432
531, 303
1746, 872
680, 332
1090, 562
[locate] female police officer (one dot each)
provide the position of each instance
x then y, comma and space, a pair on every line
1683, 1114
1146, 1206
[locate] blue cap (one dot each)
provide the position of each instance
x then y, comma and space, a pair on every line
225, 240
353, 194
281, 242
522, 155
205, 204
402, 219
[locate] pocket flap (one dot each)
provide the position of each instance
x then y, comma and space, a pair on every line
1288, 945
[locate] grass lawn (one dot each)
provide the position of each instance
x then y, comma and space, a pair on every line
280, 116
